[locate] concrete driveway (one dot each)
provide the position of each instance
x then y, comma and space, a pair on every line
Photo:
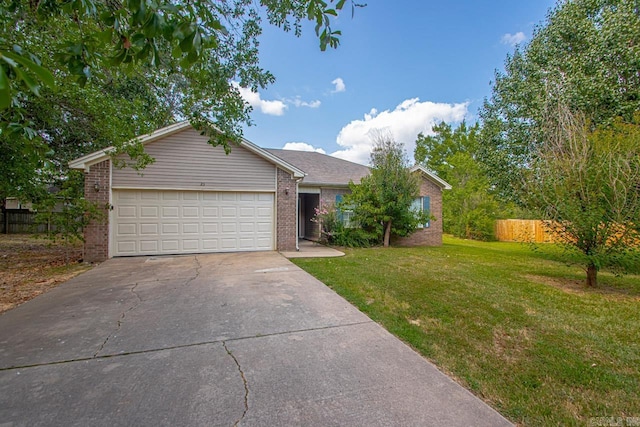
224, 339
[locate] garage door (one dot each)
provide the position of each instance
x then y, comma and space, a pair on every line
152, 222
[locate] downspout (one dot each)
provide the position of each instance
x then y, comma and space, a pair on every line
298, 215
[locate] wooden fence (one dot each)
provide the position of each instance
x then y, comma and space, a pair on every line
522, 230
17, 221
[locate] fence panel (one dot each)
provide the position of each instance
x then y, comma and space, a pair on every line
522, 230
20, 222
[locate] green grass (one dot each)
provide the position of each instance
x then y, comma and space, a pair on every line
518, 328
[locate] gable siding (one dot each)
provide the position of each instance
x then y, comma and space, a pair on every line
186, 161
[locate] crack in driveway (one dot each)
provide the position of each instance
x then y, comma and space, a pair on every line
120, 320
244, 382
174, 347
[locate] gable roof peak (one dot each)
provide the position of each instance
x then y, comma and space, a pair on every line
432, 176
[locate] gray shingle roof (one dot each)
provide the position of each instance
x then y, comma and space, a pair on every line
321, 168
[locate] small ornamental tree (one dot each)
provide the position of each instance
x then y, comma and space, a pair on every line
382, 201
66, 212
587, 186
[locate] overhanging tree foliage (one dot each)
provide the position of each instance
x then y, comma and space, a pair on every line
78, 75
382, 202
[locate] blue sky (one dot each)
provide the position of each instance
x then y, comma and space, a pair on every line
401, 67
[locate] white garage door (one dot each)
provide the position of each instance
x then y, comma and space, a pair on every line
152, 222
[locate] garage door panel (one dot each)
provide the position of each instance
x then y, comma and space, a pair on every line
192, 228
247, 227
229, 227
209, 244
190, 212
263, 227
126, 229
149, 211
149, 195
170, 245
149, 229
169, 195
263, 243
228, 244
149, 222
210, 228
210, 212
126, 212
247, 243
264, 212
127, 248
149, 246
191, 245
171, 228
170, 212
229, 212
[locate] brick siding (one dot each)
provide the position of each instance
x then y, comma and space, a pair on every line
328, 195
96, 234
431, 236
286, 214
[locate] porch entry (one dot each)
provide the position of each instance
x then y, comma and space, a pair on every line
307, 229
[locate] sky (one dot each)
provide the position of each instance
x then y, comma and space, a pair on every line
401, 67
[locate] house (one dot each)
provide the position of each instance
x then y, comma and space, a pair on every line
197, 199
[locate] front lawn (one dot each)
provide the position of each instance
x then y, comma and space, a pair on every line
516, 327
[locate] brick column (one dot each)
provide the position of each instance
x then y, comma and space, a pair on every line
286, 212
96, 234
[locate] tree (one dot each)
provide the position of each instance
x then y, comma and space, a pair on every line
585, 54
470, 208
557, 132
587, 186
382, 201
137, 65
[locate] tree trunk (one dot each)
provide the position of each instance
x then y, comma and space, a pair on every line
387, 234
592, 275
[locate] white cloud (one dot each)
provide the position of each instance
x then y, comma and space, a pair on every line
404, 122
513, 39
339, 85
300, 103
272, 108
302, 146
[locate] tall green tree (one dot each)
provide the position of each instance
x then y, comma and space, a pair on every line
382, 202
559, 135
470, 208
586, 55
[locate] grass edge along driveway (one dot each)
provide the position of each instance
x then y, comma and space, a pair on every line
518, 328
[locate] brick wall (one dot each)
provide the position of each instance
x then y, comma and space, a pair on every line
431, 236
96, 234
286, 206
328, 195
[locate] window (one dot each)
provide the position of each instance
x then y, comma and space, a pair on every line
345, 215
422, 204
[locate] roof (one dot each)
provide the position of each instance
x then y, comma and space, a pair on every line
101, 155
432, 176
322, 169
